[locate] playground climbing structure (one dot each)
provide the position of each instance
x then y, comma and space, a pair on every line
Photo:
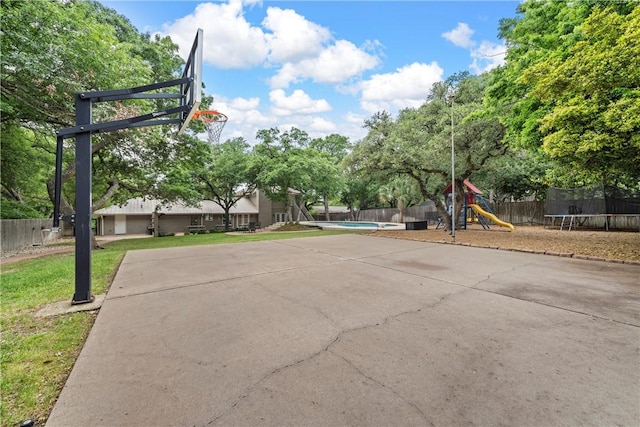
476, 208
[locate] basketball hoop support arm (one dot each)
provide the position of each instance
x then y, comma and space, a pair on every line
189, 96
82, 133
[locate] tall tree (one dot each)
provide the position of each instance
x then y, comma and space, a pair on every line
334, 147
400, 193
290, 168
53, 49
592, 94
227, 174
418, 143
23, 195
550, 44
358, 193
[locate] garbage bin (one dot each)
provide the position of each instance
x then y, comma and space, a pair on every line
416, 225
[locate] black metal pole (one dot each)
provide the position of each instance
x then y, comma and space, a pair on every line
83, 204
58, 183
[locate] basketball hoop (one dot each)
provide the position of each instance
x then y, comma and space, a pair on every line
214, 121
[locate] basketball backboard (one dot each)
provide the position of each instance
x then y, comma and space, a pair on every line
192, 91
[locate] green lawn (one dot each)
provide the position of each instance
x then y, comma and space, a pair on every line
37, 354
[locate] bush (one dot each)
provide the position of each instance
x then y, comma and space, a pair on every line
166, 234
12, 209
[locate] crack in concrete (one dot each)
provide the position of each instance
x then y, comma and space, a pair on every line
474, 287
222, 280
386, 387
496, 273
327, 348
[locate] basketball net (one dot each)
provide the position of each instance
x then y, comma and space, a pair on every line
214, 122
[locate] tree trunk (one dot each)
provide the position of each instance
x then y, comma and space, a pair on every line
289, 211
155, 224
226, 219
326, 207
94, 242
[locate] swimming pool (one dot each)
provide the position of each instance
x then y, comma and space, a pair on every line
349, 225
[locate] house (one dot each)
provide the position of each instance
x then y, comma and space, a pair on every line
136, 216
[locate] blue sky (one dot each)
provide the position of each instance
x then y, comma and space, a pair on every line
325, 66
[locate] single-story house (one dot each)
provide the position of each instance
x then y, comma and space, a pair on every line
136, 216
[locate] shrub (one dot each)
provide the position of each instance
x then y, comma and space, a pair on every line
11, 209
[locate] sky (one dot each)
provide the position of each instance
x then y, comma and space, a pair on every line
324, 66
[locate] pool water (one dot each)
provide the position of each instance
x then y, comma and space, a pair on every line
361, 225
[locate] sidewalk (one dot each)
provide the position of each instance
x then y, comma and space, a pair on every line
358, 330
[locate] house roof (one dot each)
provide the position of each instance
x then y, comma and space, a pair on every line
141, 206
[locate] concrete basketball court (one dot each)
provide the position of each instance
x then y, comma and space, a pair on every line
355, 330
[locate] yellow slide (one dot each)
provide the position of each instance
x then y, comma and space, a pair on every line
492, 217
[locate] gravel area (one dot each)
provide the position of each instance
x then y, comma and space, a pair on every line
612, 245
33, 252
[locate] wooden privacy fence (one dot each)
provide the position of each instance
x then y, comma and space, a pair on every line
520, 213
19, 233
517, 213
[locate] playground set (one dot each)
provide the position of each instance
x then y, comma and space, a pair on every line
472, 211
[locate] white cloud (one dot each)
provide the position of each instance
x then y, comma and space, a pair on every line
407, 87
230, 41
321, 126
245, 104
354, 118
460, 36
292, 37
487, 56
335, 64
244, 117
314, 126
303, 49
297, 103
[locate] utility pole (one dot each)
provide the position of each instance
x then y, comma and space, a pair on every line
453, 176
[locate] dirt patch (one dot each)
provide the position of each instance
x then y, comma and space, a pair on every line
614, 245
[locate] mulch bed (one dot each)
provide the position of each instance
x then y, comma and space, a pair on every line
602, 245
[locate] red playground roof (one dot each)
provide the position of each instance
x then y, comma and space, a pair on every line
467, 184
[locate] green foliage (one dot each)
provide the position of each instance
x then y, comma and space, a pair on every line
288, 164
54, 49
359, 190
12, 209
515, 175
402, 192
225, 173
23, 188
417, 145
593, 96
570, 86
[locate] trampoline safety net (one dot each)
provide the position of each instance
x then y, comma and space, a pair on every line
596, 200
